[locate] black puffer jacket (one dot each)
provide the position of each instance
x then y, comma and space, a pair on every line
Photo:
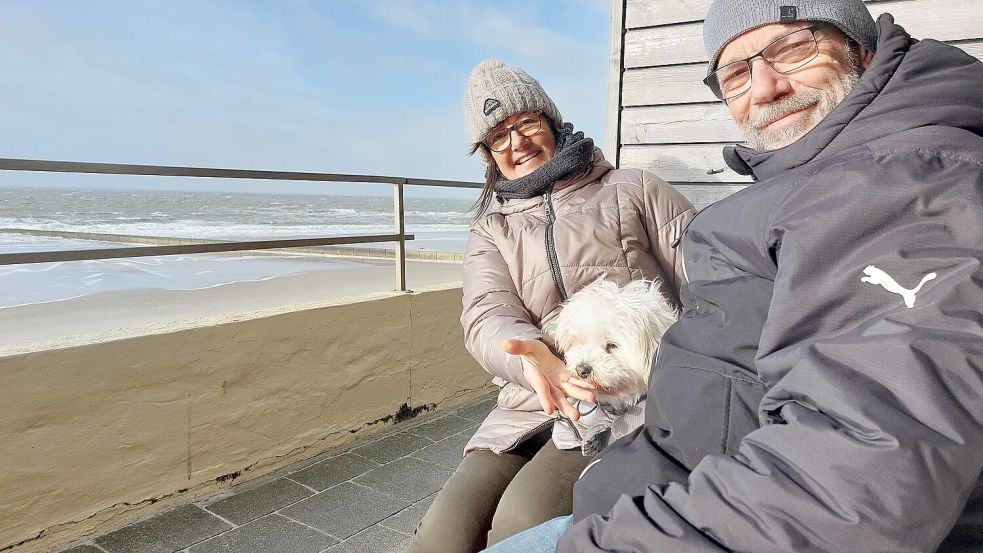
823, 390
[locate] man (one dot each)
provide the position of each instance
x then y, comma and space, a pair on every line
823, 388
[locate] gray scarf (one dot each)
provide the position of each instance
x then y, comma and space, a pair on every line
574, 154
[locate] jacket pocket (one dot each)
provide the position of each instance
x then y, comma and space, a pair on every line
700, 412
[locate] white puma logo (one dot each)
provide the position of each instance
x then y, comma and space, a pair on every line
877, 276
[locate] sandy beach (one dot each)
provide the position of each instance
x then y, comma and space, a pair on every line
115, 315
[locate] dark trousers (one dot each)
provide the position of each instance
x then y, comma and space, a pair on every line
491, 497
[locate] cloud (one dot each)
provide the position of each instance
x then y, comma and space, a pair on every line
496, 28
563, 45
338, 87
407, 15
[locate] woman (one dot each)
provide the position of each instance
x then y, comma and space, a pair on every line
562, 218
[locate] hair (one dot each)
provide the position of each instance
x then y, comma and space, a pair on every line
851, 50
491, 173
488, 190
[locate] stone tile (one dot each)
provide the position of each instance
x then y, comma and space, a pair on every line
345, 509
447, 452
252, 504
375, 540
83, 549
443, 427
392, 447
478, 411
270, 534
408, 478
333, 471
165, 533
407, 520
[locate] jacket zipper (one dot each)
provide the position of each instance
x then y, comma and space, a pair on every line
679, 238
558, 279
551, 246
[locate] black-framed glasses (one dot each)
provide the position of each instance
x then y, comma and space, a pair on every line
500, 139
785, 54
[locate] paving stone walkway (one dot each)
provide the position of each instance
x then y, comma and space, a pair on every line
365, 498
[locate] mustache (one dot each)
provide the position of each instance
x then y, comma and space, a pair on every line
782, 107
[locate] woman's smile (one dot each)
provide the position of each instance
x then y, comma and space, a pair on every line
528, 157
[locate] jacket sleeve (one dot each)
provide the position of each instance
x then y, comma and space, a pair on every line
667, 212
493, 311
872, 428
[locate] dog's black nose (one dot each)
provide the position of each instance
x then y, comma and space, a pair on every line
583, 370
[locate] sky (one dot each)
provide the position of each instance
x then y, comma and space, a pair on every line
337, 86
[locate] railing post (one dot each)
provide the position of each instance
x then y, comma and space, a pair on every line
398, 211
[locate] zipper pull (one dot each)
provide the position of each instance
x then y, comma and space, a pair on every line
546, 203
679, 238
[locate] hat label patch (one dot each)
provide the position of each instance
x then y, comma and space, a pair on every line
788, 14
491, 105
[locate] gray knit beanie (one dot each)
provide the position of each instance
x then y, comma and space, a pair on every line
497, 91
726, 19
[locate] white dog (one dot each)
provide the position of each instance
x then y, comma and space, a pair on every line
609, 336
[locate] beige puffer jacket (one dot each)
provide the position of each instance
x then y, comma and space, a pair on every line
616, 224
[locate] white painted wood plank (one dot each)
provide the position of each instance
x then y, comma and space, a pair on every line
682, 164
938, 19
679, 125
612, 139
679, 84
664, 45
702, 195
648, 13
974, 49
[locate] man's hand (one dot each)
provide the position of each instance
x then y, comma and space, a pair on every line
549, 378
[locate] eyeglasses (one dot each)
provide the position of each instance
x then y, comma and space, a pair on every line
500, 139
786, 54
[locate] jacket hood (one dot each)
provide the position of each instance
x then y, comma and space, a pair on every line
909, 84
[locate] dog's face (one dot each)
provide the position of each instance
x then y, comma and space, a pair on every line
608, 336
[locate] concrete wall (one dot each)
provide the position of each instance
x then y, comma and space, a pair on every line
97, 435
662, 118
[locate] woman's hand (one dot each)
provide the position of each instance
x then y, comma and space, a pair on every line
549, 377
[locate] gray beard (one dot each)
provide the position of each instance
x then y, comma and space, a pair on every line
826, 100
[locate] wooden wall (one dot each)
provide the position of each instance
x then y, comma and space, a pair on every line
662, 118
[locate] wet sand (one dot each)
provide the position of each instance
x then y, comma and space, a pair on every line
115, 315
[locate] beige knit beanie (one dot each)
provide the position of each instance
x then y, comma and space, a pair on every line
497, 91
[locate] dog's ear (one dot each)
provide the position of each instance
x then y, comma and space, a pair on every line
646, 301
551, 334
636, 289
646, 292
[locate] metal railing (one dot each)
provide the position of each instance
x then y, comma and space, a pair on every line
398, 236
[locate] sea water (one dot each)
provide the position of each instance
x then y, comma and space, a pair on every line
439, 224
